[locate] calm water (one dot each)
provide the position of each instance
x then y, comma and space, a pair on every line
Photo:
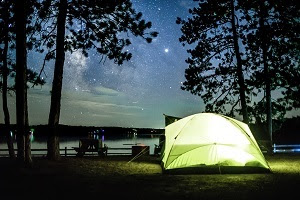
125, 141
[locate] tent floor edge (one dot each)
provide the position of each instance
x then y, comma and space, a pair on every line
218, 170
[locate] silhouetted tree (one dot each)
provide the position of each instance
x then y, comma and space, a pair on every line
86, 24
273, 55
5, 29
215, 69
9, 69
20, 16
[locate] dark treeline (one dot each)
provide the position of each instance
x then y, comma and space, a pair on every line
285, 132
289, 131
84, 131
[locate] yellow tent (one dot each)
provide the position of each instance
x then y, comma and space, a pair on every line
208, 142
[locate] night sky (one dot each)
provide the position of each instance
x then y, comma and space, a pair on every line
136, 94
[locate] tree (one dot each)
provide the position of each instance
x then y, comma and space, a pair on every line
21, 94
6, 20
8, 67
100, 22
273, 55
215, 69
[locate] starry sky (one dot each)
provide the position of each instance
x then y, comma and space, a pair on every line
136, 94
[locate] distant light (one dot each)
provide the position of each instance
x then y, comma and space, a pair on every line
286, 148
31, 135
166, 50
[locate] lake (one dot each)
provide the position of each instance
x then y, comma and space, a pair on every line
118, 141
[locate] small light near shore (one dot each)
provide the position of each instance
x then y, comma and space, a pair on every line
31, 135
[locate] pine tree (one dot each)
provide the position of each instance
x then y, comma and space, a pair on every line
9, 69
6, 20
215, 69
100, 23
273, 56
21, 106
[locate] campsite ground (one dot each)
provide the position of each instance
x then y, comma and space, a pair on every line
116, 177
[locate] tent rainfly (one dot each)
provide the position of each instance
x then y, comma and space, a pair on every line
211, 143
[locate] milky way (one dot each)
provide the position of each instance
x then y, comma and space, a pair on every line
136, 94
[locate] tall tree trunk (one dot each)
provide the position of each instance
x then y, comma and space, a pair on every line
268, 96
262, 18
21, 87
28, 159
53, 140
10, 143
241, 81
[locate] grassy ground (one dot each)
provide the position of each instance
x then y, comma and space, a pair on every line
117, 177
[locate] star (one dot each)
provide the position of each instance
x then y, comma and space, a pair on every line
102, 91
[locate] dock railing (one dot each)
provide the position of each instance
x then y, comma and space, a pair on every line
71, 152
286, 148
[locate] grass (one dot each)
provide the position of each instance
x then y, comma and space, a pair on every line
116, 177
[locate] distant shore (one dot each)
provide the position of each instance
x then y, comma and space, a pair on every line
67, 130
288, 133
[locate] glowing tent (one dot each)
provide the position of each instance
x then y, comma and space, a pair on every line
211, 143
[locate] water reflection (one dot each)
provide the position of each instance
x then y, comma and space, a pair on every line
118, 141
